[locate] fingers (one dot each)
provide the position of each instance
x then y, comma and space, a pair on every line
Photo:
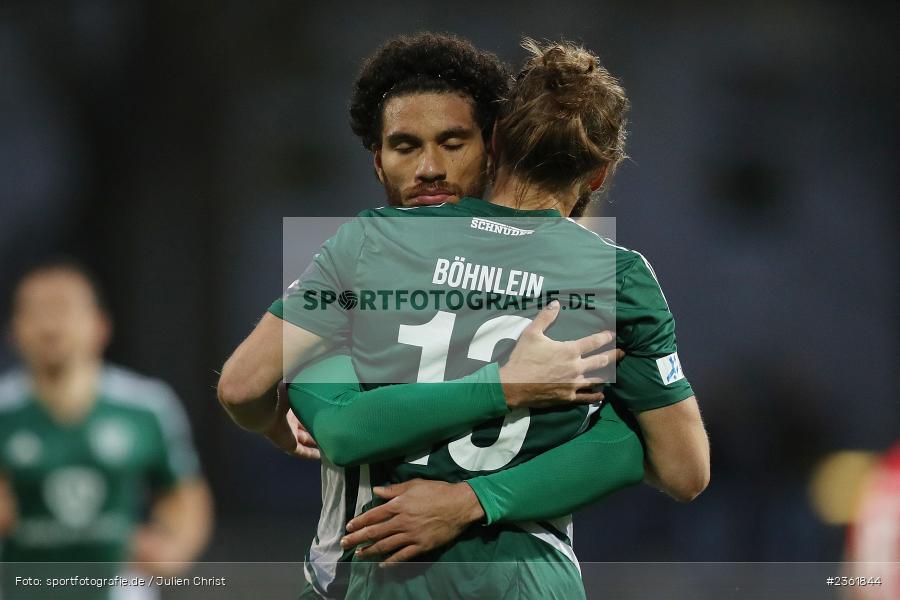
295, 423
402, 555
301, 435
588, 397
392, 491
385, 546
588, 344
305, 439
307, 453
596, 362
371, 517
372, 533
545, 318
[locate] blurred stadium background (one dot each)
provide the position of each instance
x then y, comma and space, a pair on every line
162, 142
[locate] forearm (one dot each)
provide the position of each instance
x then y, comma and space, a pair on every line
604, 459
353, 426
249, 376
183, 517
246, 388
7, 507
256, 414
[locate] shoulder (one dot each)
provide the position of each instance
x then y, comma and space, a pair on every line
633, 270
14, 388
130, 390
626, 258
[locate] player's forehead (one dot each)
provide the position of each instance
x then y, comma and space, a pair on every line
59, 285
428, 114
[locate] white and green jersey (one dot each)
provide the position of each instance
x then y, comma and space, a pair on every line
434, 293
80, 488
345, 493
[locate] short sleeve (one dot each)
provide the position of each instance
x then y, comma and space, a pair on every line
314, 301
176, 459
650, 374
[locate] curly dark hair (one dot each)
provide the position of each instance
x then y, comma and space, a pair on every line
426, 62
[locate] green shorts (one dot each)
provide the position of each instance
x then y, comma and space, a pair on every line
500, 563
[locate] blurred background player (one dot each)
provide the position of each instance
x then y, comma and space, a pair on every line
82, 442
873, 540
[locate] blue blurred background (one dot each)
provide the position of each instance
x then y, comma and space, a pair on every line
162, 142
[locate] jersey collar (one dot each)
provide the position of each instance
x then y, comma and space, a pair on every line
480, 207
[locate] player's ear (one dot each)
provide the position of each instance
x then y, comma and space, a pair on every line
376, 159
104, 331
599, 178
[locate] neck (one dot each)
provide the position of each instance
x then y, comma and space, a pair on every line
68, 392
514, 192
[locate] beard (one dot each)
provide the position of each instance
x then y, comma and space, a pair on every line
475, 189
394, 193
581, 204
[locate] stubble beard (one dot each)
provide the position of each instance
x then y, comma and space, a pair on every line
475, 189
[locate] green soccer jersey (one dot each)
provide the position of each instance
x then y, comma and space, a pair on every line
80, 488
434, 293
350, 424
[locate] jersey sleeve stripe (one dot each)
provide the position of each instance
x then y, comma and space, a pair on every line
14, 389
126, 388
609, 242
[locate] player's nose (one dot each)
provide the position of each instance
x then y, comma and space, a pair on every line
431, 166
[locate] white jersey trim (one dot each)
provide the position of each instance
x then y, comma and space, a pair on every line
14, 388
547, 537
412, 207
320, 570
126, 388
609, 242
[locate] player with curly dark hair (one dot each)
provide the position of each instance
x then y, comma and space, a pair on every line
430, 100
426, 62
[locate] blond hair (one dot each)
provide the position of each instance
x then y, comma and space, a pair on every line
564, 117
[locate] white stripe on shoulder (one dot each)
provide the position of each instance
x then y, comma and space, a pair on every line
125, 387
14, 388
605, 240
653, 274
571, 220
611, 243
